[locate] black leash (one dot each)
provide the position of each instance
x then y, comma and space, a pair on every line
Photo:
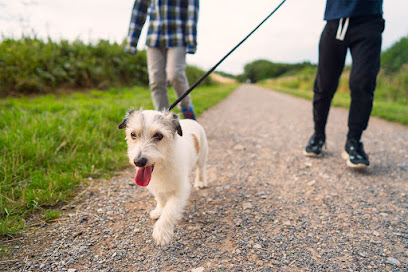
226, 56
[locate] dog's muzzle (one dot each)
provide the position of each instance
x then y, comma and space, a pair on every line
140, 162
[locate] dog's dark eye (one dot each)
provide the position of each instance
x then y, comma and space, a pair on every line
158, 136
133, 135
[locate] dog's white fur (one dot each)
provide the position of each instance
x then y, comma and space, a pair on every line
173, 157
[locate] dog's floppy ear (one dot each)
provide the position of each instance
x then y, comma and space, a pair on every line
176, 124
123, 124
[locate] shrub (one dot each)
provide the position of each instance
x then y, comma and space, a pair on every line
264, 69
194, 74
395, 57
32, 66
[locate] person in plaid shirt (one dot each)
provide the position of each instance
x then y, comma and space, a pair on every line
172, 33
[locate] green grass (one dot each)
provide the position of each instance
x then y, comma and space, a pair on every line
51, 144
51, 215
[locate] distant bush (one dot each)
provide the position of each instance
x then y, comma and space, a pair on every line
264, 69
224, 74
30, 65
395, 57
194, 74
392, 82
33, 66
393, 87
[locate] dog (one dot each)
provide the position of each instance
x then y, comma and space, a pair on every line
164, 151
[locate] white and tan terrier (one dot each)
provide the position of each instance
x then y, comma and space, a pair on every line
164, 151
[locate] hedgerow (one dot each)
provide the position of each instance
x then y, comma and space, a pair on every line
33, 66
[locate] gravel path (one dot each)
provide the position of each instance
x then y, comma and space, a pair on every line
267, 208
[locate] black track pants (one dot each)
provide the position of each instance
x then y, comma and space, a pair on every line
363, 38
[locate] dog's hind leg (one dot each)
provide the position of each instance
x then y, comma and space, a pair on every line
171, 213
201, 165
200, 180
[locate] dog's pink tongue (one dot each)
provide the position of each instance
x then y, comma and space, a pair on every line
144, 175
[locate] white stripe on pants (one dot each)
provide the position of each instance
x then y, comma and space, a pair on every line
167, 64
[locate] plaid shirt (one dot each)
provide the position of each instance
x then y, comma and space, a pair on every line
173, 23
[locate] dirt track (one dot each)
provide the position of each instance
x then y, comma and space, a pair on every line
268, 208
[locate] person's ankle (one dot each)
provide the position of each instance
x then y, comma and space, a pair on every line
188, 113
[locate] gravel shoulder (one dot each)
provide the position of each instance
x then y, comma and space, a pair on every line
267, 208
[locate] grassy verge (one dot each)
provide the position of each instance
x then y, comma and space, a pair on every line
386, 107
51, 144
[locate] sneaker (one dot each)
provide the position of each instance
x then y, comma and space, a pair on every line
315, 145
188, 113
355, 155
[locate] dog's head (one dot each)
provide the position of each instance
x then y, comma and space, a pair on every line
149, 136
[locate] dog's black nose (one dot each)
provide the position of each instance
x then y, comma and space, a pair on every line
140, 162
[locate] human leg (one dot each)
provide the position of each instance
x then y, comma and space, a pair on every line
176, 71
365, 49
332, 53
156, 64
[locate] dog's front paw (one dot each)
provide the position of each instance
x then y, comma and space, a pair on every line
162, 235
155, 214
200, 185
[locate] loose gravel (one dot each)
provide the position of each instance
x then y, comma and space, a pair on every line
267, 208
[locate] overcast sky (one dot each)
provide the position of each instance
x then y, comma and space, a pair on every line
291, 35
